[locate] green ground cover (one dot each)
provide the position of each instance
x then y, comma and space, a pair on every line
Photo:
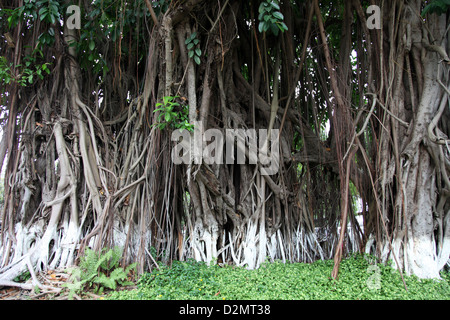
359, 279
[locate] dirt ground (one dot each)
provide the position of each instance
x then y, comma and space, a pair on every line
52, 288
20, 294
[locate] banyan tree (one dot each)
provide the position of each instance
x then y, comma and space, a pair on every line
350, 98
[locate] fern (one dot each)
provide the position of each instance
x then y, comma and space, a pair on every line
99, 271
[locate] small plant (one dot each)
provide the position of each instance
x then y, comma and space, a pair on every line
99, 271
6, 75
171, 115
270, 17
29, 70
193, 47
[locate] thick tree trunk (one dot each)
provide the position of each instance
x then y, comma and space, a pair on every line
413, 175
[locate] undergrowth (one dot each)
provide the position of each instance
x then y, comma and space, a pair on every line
99, 271
359, 279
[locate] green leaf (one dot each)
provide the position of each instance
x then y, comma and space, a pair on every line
198, 52
166, 99
43, 16
191, 53
42, 12
275, 5
105, 281
172, 105
52, 18
118, 275
190, 46
130, 267
197, 60
278, 15
54, 7
92, 45
261, 27
261, 8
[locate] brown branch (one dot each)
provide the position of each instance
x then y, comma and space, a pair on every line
152, 12
344, 214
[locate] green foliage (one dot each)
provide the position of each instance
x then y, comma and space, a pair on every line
106, 24
277, 281
28, 71
193, 46
31, 68
23, 277
160, 6
46, 10
437, 6
49, 10
6, 75
96, 25
173, 114
23, 13
270, 17
99, 271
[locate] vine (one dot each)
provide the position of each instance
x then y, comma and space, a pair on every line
27, 72
193, 46
271, 18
